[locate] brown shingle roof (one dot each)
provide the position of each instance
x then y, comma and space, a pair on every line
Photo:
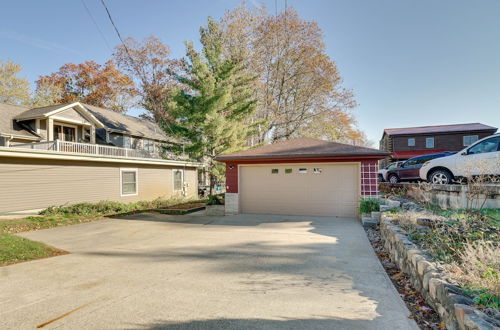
127, 124
439, 129
39, 112
7, 123
302, 148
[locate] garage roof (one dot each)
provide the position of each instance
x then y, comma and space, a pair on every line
303, 148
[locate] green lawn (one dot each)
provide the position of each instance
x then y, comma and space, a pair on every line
15, 249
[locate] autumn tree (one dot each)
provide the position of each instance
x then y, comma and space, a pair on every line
13, 89
148, 62
211, 113
88, 82
299, 85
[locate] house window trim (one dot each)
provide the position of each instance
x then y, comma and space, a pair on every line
124, 169
469, 136
433, 143
63, 124
173, 180
413, 144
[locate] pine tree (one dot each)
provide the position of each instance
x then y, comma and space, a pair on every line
212, 112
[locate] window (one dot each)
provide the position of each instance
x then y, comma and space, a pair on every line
275, 171
65, 133
489, 145
288, 170
317, 170
303, 170
470, 139
411, 142
149, 145
178, 180
429, 142
2, 141
128, 181
127, 141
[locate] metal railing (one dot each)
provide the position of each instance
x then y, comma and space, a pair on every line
87, 149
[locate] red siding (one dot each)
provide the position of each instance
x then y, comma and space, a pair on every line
231, 177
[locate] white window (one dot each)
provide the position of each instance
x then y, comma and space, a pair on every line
128, 181
411, 142
127, 143
178, 179
317, 170
470, 139
149, 145
303, 170
429, 142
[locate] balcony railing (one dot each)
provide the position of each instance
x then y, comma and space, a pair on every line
88, 149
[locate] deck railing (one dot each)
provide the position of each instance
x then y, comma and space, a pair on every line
87, 149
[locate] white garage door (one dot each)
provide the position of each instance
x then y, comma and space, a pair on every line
324, 189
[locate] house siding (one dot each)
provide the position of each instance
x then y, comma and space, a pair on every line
448, 142
72, 114
39, 183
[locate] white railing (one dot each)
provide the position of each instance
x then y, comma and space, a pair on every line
87, 149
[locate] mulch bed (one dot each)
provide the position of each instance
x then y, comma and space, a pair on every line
425, 316
186, 206
182, 209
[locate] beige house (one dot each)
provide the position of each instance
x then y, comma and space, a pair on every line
71, 153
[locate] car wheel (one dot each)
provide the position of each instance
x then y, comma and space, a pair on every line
440, 177
393, 178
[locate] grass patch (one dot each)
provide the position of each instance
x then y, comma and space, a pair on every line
14, 249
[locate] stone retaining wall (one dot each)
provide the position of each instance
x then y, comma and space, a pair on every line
455, 309
447, 196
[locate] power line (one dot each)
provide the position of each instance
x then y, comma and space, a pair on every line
97, 26
121, 39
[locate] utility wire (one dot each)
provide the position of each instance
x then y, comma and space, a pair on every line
121, 39
96, 25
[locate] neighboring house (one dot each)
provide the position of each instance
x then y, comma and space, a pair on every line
301, 177
75, 152
405, 143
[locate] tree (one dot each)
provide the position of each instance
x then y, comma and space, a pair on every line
148, 62
88, 82
212, 111
13, 89
47, 93
299, 85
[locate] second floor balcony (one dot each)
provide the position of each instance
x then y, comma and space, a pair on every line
88, 149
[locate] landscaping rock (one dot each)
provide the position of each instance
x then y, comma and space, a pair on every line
455, 309
376, 216
393, 204
368, 222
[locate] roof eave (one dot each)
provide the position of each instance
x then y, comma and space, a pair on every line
381, 155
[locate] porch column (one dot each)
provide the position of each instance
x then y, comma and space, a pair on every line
92, 134
50, 129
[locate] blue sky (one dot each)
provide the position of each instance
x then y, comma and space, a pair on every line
409, 63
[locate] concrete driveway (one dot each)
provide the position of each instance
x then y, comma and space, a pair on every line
193, 272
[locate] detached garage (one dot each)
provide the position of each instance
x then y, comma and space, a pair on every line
301, 177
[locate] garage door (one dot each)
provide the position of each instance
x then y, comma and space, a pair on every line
313, 189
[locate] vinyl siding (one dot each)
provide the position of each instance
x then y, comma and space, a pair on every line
35, 184
73, 115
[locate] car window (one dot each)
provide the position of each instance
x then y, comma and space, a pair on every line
411, 162
393, 165
489, 145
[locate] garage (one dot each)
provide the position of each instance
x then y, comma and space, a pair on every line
301, 176
322, 189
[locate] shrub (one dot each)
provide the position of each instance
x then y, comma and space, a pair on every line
369, 205
478, 266
215, 200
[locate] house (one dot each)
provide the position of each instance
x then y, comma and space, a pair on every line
69, 153
301, 176
405, 143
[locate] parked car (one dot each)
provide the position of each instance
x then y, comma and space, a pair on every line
409, 170
480, 158
382, 173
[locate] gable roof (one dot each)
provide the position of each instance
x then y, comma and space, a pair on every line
128, 124
439, 129
111, 120
8, 126
44, 112
302, 148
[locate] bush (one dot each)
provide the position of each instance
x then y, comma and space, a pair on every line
369, 205
107, 207
215, 200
